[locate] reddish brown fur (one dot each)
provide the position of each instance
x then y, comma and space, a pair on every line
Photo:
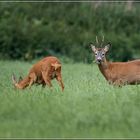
42, 73
120, 73
117, 73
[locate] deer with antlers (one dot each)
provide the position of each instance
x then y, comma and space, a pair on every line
116, 73
41, 73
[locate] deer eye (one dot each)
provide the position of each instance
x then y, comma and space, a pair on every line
96, 53
103, 54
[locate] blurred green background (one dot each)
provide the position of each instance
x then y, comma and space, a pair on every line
33, 30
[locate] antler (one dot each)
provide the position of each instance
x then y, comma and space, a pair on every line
97, 40
102, 41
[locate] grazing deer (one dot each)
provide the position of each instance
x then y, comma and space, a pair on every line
116, 73
41, 73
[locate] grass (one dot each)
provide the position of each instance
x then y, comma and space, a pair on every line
88, 108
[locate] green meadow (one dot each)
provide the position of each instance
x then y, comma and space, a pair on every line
88, 108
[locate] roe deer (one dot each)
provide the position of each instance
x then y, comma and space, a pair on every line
116, 73
42, 73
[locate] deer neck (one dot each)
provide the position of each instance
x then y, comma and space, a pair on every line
104, 68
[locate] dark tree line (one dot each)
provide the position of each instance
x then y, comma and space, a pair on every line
33, 30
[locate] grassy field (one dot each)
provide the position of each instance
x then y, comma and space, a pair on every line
88, 108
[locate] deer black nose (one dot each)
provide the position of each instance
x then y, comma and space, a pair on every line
99, 59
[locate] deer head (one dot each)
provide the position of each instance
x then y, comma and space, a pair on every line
100, 52
15, 82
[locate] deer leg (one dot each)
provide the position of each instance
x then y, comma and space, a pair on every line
31, 83
33, 78
46, 78
59, 79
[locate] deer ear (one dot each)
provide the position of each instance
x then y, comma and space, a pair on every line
106, 48
14, 79
93, 47
20, 78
